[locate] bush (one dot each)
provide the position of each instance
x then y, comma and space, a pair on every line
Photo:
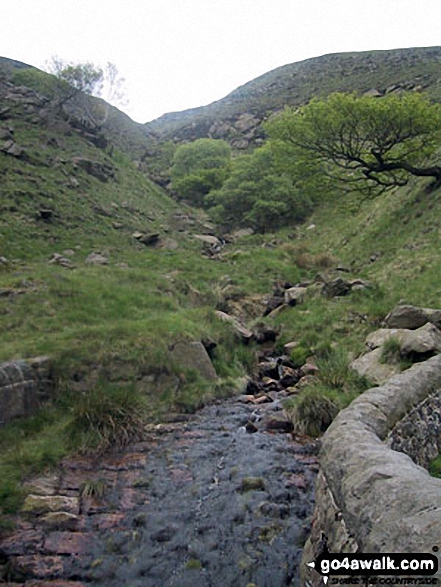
199, 167
107, 418
256, 195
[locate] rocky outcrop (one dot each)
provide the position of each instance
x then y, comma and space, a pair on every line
104, 171
411, 345
370, 498
24, 386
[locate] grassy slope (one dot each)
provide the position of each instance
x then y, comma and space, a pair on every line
121, 321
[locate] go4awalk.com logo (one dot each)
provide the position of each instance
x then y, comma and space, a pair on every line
385, 569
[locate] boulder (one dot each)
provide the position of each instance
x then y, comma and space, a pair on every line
295, 295
412, 317
208, 239
194, 356
379, 337
97, 259
57, 259
150, 240
424, 340
371, 367
336, 288
240, 329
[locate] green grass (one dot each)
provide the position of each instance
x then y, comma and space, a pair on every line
435, 467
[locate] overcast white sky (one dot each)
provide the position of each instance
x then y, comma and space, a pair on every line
177, 54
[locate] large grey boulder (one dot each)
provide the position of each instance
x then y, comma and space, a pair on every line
380, 337
424, 340
412, 317
194, 356
371, 367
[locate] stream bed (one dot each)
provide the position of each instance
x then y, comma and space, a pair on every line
200, 503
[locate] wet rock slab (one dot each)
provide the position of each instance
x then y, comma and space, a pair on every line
201, 503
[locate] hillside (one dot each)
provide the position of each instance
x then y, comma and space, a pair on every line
145, 315
238, 116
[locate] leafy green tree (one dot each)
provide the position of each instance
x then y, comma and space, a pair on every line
257, 195
200, 167
75, 78
365, 142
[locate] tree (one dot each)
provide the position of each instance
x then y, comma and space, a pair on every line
200, 167
366, 142
74, 79
257, 195
88, 78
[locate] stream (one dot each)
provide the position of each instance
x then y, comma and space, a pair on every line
200, 503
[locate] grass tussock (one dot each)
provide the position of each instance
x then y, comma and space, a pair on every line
107, 417
312, 412
435, 467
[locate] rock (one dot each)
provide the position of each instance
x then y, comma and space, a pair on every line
336, 288
102, 171
290, 346
295, 296
309, 369
57, 259
369, 366
240, 329
278, 424
379, 337
277, 311
240, 144
44, 485
150, 240
264, 334
6, 134
373, 93
11, 148
412, 317
241, 233
208, 239
358, 284
272, 303
251, 428
194, 356
424, 340
61, 520
246, 122
96, 259
43, 504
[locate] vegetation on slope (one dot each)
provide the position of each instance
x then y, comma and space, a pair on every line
110, 327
